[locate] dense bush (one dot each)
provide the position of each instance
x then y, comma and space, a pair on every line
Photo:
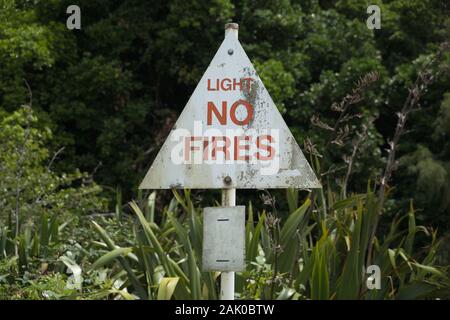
370, 109
111, 91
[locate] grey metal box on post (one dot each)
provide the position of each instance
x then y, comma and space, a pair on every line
224, 238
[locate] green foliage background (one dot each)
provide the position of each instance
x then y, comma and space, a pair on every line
110, 92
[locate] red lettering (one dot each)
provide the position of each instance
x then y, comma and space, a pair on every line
236, 84
248, 82
188, 147
266, 147
249, 108
238, 147
224, 148
213, 89
226, 84
222, 118
205, 148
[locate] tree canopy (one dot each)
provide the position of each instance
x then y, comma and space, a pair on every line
111, 91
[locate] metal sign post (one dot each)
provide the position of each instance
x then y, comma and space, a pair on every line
227, 278
229, 136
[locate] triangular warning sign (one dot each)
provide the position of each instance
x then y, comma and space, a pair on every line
230, 134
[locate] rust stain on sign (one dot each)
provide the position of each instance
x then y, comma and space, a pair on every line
230, 128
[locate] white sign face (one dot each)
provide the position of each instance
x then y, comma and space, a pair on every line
230, 134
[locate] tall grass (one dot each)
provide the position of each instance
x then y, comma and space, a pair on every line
305, 256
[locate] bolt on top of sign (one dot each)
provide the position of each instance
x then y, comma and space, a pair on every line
230, 134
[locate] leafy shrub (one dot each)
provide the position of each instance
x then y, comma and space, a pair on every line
29, 189
310, 258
